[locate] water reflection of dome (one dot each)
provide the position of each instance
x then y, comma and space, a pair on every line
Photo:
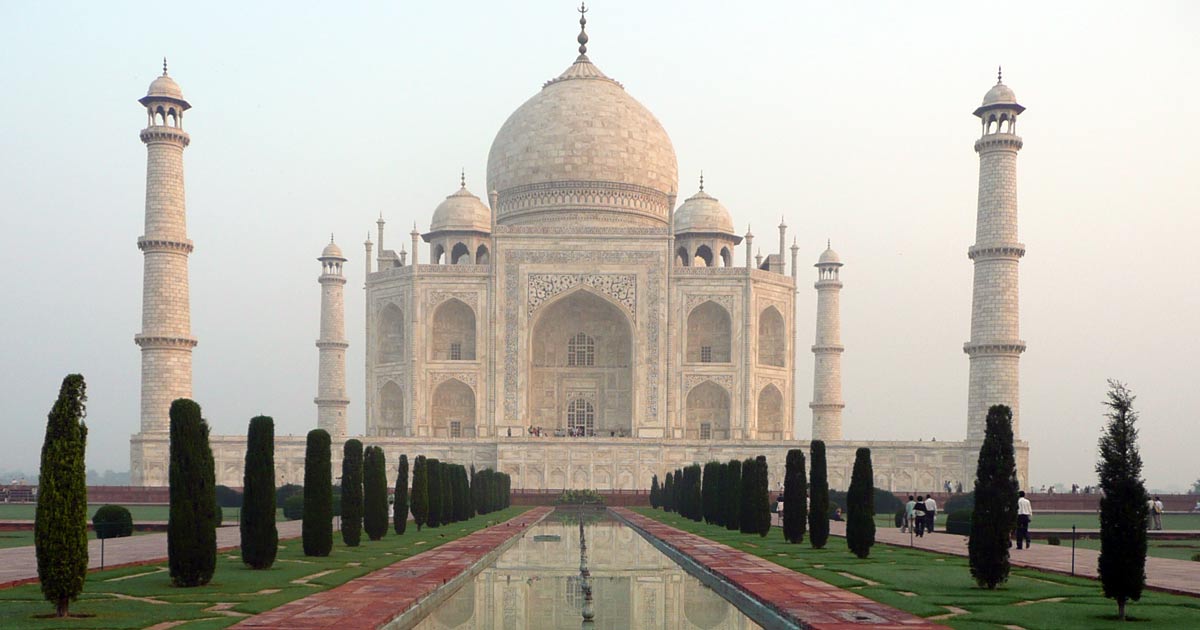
702, 607
459, 610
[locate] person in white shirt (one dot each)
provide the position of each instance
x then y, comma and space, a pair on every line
1024, 515
1156, 509
930, 513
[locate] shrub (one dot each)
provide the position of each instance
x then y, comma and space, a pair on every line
1196, 557
192, 525
860, 509
959, 522
995, 513
60, 526
669, 493
965, 501
375, 502
283, 492
112, 521
899, 517
795, 497
579, 497
260, 537
420, 491
818, 506
1056, 541
400, 497
352, 492
228, 497
293, 507
317, 531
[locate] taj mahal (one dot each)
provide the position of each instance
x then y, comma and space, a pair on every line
578, 321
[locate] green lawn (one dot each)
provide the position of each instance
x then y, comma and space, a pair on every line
23, 538
107, 594
927, 584
1174, 549
140, 513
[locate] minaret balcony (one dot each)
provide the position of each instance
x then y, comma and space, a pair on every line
994, 348
163, 133
164, 245
1011, 251
1005, 141
164, 341
331, 343
828, 348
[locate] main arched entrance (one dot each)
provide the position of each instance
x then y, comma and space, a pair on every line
581, 368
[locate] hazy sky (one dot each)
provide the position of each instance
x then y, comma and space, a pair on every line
851, 119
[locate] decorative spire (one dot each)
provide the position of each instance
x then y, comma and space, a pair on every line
331, 238
828, 243
999, 75
380, 220
462, 178
164, 66
368, 236
583, 38
701, 180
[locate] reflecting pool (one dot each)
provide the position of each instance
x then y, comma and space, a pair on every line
538, 584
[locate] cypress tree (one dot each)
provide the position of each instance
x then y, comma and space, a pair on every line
654, 492
680, 498
795, 497
708, 493
317, 529
375, 503
860, 505
420, 491
669, 493
695, 495
433, 472
60, 526
995, 512
818, 513
733, 500
471, 494
192, 525
1123, 502
260, 537
446, 477
352, 492
762, 496
400, 497
748, 519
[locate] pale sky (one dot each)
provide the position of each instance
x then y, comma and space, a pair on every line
853, 120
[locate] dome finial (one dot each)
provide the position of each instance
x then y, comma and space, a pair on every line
828, 243
583, 38
462, 178
701, 180
164, 66
999, 75
331, 238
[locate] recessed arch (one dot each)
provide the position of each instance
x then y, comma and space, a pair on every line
391, 410
772, 340
770, 413
460, 255
726, 257
707, 412
709, 331
391, 334
439, 252
681, 257
482, 255
453, 331
452, 410
704, 256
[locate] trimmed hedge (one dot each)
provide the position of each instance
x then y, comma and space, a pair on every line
112, 521
259, 535
959, 522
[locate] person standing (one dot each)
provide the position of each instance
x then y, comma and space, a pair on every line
1024, 515
930, 513
1157, 510
919, 516
909, 508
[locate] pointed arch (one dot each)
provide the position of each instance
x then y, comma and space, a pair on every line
482, 256
391, 410
770, 414
439, 251
704, 256
460, 255
681, 257
452, 410
707, 412
726, 257
390, 333
709, 331
772, 339
453, 331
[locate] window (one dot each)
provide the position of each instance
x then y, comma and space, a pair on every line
456, 351
705, 430
581, 418
455, 429
581, 351
706, 354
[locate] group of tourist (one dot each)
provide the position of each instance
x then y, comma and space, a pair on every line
919, 515
1154, 520
572, 432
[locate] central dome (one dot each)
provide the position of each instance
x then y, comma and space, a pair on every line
582, 152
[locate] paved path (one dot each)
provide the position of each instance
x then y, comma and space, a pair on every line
377, 598
18, 565
798, 597
1173, 576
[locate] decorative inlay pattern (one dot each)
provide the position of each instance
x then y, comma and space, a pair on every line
692, 380
583, 194
694, 300
434, 298
512, 323
762, 381
437, 378
621, 287
574, 230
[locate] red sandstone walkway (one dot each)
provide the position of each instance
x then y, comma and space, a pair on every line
375, 599
798, 597
1164, 574
18, 565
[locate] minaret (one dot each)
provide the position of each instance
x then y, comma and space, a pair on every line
749, 240
331, 375
782, 269
995, 347
827, 402
367, 245
166, 338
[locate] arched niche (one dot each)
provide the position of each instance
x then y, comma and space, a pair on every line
452, 411
707, 413
600, 370
709, 333
391, 334
482, 256
772, 340
460, 255
453, 337
703, 257
681, 257
770, 413
437, 254
391, 410
726, 257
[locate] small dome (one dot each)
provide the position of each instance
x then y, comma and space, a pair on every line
332, 251
462, 211
829, 257
1000, 94
703, 213
165, 86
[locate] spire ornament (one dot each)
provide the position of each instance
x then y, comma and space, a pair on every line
701, 181
583, 38
462, 178
999, 75
164, 66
